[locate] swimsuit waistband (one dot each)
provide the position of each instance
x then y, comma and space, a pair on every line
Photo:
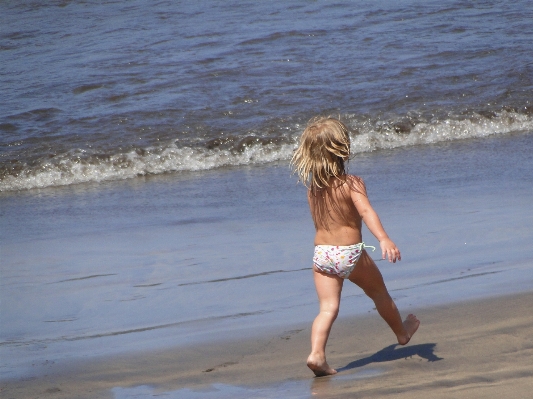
360, 245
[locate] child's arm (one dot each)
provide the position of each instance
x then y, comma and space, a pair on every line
371, 219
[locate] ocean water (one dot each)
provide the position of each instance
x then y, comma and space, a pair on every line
146, 199
114, 90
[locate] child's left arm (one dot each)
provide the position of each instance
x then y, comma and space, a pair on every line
370, 217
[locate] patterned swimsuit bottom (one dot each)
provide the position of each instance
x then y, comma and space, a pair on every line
339, 260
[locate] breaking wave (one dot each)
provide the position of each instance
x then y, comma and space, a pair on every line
79, 166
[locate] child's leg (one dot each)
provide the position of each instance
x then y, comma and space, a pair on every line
328, 288
367, 276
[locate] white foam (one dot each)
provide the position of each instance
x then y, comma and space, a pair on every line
371, 139
71, 170
131, 164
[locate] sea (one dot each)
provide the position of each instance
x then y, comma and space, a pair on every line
146, 196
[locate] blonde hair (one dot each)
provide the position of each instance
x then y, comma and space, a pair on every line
324, 147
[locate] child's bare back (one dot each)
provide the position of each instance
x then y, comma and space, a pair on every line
339, 204
342, 225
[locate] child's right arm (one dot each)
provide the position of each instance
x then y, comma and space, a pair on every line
370, 217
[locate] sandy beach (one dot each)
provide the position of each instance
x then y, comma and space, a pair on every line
478, 349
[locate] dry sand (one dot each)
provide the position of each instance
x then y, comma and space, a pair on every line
481, 349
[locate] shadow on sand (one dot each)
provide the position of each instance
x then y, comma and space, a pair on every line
389, 353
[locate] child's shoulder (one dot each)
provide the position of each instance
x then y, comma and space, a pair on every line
353, 179
355, 183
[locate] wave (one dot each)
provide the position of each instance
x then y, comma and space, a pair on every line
410, 131
73, 169
80, 166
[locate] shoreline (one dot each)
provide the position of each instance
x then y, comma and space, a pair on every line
471, 349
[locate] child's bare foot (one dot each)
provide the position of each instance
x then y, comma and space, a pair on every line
410, 324
319, 366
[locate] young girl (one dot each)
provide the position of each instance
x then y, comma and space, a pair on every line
339, 204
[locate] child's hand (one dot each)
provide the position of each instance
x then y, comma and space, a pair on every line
389, 250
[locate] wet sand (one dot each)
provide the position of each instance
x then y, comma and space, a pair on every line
478, 349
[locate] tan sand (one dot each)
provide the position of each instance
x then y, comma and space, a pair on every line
481, 349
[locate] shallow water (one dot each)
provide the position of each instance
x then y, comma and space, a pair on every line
302, 389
